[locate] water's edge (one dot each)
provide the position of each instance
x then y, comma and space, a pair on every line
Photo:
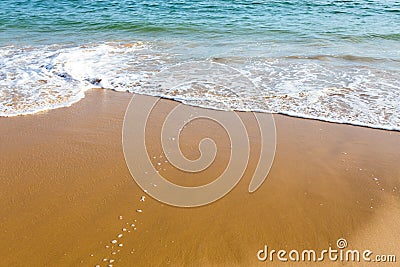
66, 105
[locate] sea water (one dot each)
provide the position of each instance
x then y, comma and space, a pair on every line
336, 61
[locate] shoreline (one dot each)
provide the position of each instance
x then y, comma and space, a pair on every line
65, 185
80, 98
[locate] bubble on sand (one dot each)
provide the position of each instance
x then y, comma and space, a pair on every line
114, 241
139, 211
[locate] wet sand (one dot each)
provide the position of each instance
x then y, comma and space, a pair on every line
66, 193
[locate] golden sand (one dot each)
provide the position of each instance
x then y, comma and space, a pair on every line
66, 193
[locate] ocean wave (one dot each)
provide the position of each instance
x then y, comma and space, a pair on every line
34, 79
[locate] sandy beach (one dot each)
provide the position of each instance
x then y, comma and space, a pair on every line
66, 192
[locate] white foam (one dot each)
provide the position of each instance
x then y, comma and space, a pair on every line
34, 79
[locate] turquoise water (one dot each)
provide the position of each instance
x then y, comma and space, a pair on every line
301, 21
341, 57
